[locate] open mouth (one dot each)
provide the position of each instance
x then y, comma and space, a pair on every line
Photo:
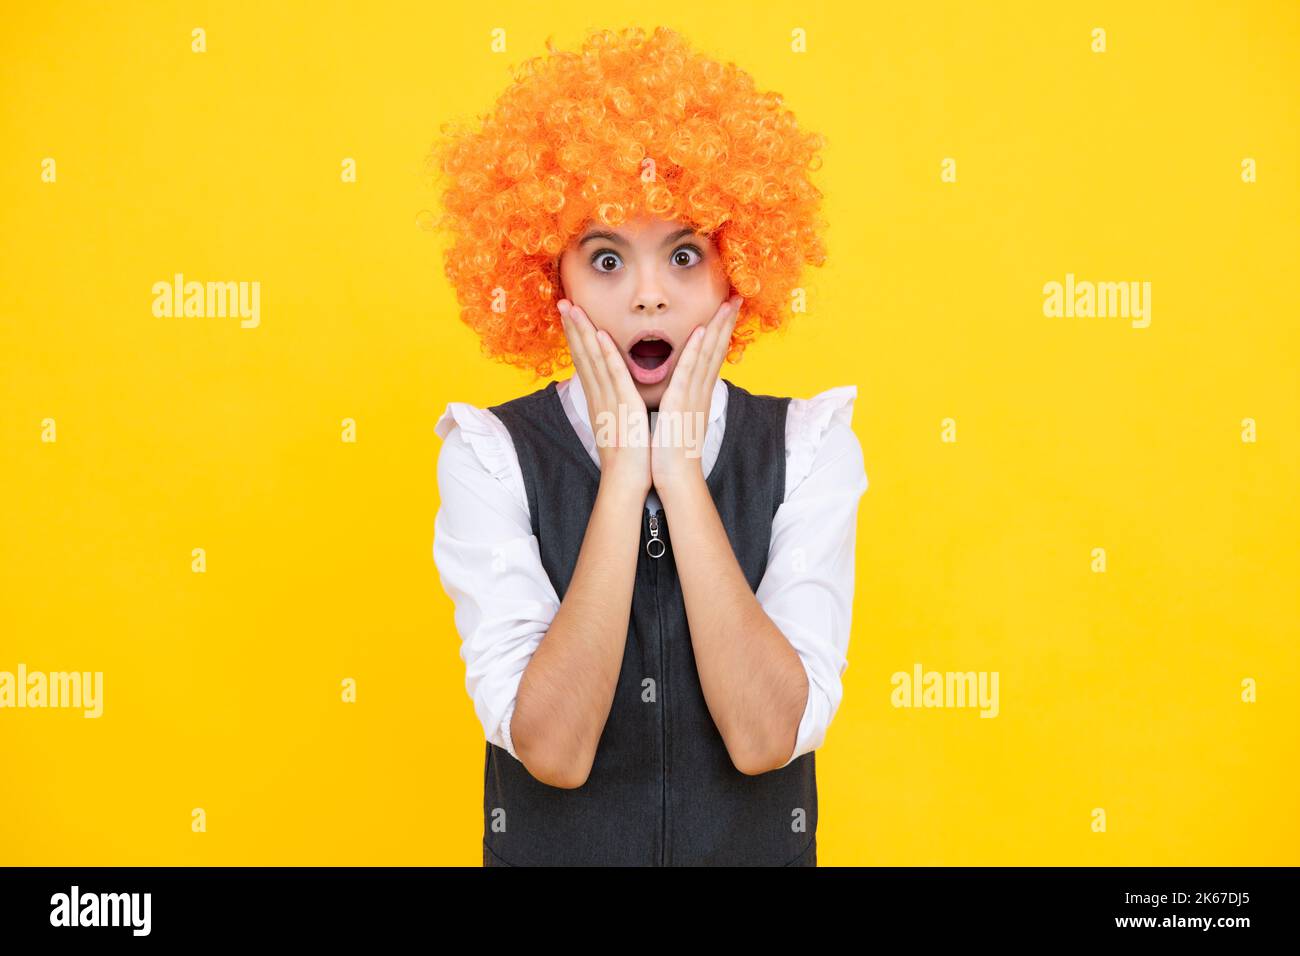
650, 358
650, 353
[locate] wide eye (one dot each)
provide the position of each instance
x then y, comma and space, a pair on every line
685, 251
603, 257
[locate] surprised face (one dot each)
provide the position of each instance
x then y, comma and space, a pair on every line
648, 284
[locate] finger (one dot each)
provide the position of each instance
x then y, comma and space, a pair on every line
570, 332
722, 320
603, 384
618, 371
586, 364
704, 364
687, 366
626, 395
584, 348
581, 360
601, 394
723, 342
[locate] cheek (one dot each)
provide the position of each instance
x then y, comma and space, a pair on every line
572, 273
713, 290
582, 290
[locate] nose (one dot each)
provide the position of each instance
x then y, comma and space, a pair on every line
649, 299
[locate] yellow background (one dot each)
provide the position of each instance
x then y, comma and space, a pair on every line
1118, 690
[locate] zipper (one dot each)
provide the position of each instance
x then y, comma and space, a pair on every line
652, 524
654, 537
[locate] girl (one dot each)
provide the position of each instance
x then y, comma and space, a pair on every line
651, 567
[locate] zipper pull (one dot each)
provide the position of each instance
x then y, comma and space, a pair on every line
654, 538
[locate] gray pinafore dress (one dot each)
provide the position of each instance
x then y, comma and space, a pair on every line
662, 789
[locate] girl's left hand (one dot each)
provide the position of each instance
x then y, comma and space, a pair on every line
677, 448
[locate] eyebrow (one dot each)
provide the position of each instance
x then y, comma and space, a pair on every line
619, 240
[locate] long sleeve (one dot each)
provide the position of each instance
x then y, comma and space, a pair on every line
489, 563
807, 589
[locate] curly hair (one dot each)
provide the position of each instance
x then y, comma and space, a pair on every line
629, 126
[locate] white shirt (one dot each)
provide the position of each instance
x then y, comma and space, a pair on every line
490, 564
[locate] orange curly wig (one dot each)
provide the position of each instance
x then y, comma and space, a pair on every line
629, 126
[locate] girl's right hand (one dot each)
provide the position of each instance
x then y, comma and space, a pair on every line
615, 408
